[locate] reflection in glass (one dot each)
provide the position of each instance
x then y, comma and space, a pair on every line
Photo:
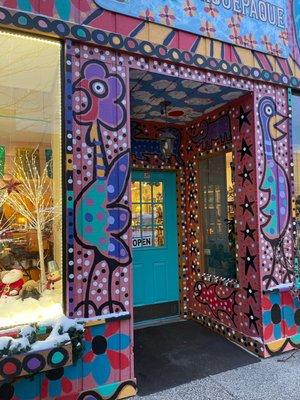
136, 214
158, 214
135, 192
159, 236
217, 188
147, 214
157, 192
30, 166
136, 231
147, 220
146, 192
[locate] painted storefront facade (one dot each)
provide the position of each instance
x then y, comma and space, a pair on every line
232, 103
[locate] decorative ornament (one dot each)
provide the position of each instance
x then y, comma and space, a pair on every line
243, 118
248, 232
245, 175
252, 319
11, 283
11, 185
250, 291
249, 261
167, 137
53, 275
245, 149
247, 206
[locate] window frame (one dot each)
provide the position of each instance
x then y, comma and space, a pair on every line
202, 226
63, 87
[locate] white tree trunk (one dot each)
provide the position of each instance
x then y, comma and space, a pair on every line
39, 232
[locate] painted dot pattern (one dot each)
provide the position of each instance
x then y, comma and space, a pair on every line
84, 162
282, 157
243, 142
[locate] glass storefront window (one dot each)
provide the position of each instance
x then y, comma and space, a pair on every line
147, 214
217, 189
30, 180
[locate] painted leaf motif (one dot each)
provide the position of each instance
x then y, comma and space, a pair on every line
91, 216
100, 369
63, 9
25, 5
66, 385
268, 332
118, 250
117, 178
118, 219
112, 328
117, 360
119, 342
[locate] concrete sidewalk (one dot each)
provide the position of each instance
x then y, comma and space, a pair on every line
185, 361
268, 379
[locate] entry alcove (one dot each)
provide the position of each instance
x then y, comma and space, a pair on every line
202, 121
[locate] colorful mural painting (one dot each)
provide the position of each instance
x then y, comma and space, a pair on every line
104, 348
244, 19
276, 212
222, 300
184, 105
103, 110
161, 88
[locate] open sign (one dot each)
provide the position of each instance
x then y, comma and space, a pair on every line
145, 241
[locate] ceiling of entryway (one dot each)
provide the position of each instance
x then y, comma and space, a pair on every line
189, 99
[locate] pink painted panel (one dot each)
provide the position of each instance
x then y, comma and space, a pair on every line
100, 181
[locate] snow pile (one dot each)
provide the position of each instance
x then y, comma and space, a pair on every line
66, 324
14, 311
59, 335
28, 331
10, 346
50, 342
63, 331
5, 342
19, 345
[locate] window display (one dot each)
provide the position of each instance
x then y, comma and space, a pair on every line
147, 214
217, 188
30, 180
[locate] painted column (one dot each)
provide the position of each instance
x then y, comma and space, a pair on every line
99, 181
276, 241
99, 215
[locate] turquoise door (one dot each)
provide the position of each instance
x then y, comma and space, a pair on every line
154, 239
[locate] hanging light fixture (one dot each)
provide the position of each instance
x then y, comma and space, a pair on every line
167, 137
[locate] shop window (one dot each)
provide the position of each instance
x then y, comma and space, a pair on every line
147, 214
30, 180
217, 190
